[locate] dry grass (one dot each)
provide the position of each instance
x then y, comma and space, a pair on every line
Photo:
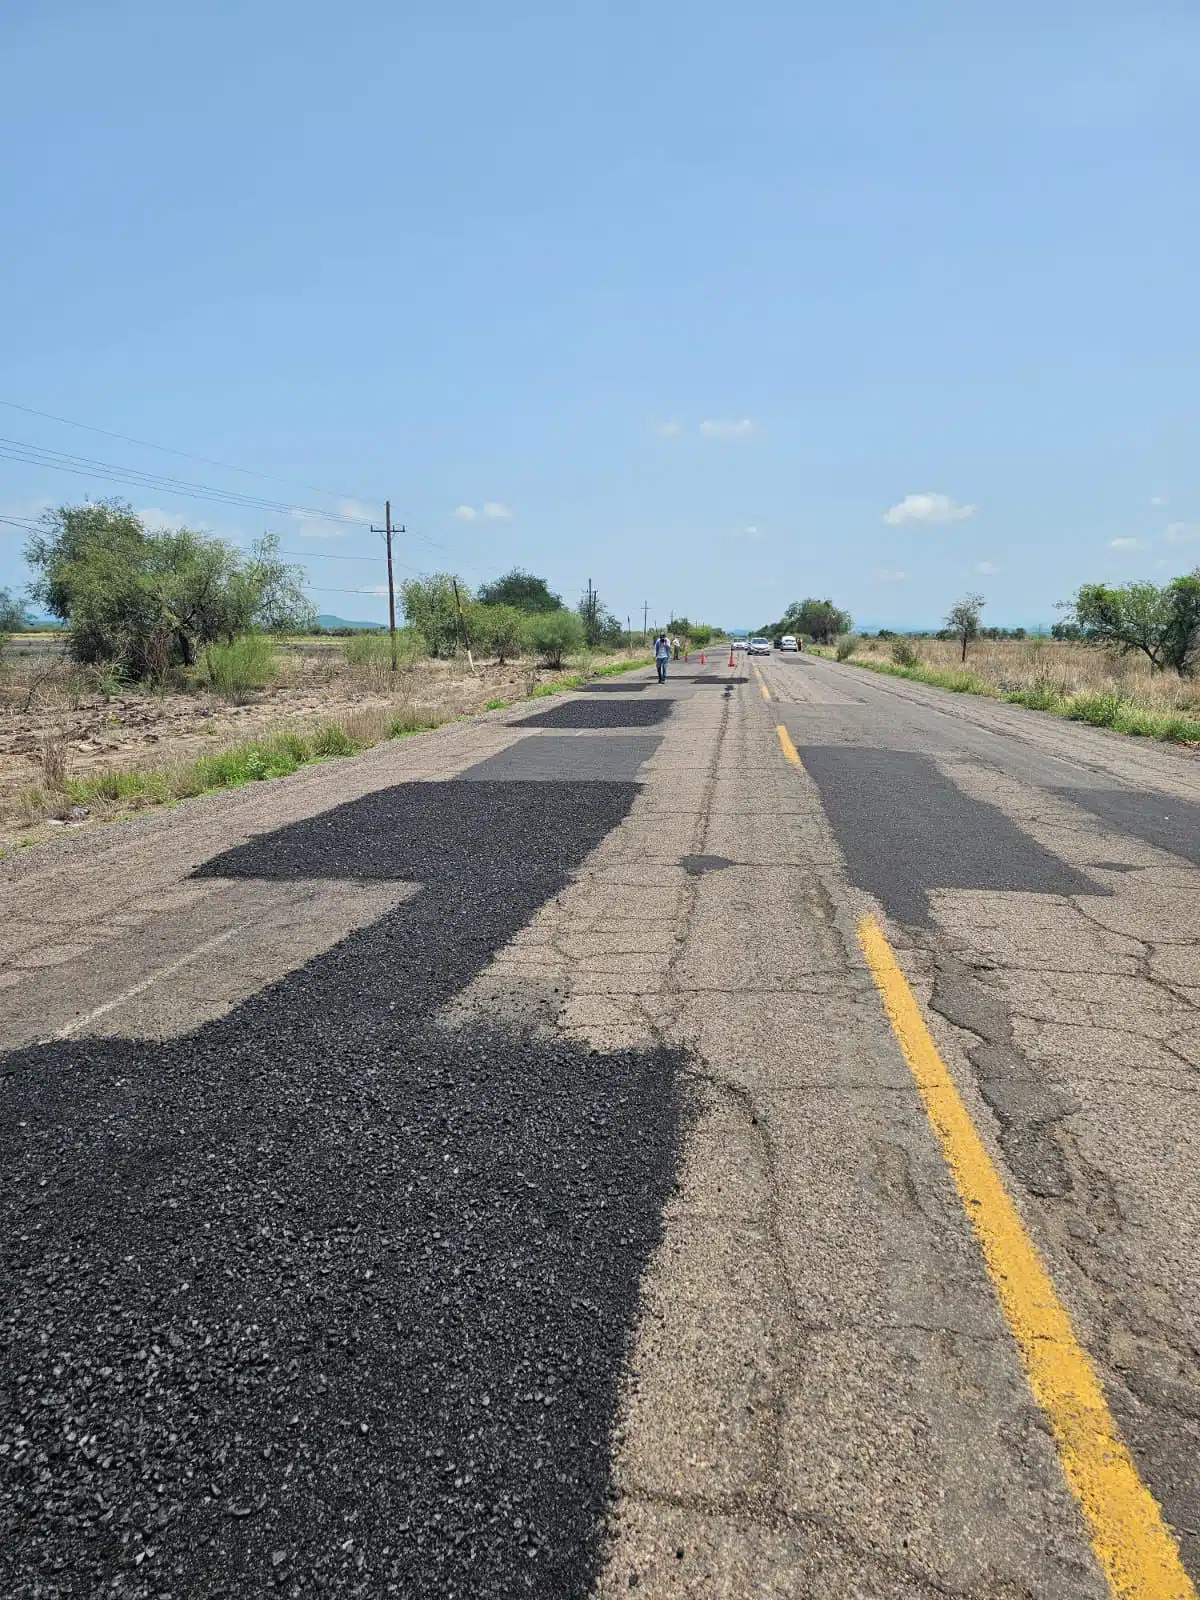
1070, 680
129, 750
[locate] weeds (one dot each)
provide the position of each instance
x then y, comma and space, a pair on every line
235, 671
904, 653
1111, 709
275, 756
846, 647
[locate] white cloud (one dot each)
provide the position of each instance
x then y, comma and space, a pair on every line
928, 507
988, 568
727, 430
497, 512
668, 430
154, 517
1158, 499
466, 513
1182, 532
1126, 544
888, 575
379, 589
747, 533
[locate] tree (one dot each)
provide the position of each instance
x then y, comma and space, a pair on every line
430, 607
1164, 624
522, 590
150, 599
555, 635
498, 630
962, 619
600, 626
820, 619
12, 619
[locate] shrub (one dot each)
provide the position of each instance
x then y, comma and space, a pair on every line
1100, 710
846, 647
235, 671
555, 635
905, 653
332, 740
498, 630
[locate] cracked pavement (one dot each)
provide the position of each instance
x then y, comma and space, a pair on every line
556, 1204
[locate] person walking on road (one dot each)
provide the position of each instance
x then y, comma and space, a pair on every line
662, 654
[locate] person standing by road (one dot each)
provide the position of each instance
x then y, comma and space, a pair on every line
675, 648
662, 654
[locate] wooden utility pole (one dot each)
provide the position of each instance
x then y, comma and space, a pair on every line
645, 617
389, 530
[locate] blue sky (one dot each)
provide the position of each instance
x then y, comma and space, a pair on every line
717, 306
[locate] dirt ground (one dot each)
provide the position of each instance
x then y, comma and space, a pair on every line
51, 711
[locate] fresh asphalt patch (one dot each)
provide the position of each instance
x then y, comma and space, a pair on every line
584, 713
324, 1297
569, 757
1162, 820
905, 829
615, 688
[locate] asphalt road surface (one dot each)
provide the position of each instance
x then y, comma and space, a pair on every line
733, 1138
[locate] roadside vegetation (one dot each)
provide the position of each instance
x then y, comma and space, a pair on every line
180, 665
1062, 677
1125, 657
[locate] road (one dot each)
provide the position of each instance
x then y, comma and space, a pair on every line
728, 1139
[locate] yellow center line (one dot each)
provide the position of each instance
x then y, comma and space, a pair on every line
789, 749
1132, 1543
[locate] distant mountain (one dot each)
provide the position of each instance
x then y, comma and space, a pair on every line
326, 621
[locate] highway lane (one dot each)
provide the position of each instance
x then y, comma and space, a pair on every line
1043, 880
485, 1167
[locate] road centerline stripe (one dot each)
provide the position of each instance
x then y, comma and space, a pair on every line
789, 749
1133, 1544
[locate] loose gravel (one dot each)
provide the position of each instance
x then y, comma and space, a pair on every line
323, 1299
584, 713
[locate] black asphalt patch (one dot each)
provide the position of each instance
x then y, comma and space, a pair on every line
905, 829
585, 713
568, 757
1158, 819
616, 688
323, 1298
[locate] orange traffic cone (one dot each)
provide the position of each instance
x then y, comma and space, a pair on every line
702, 658
731, 655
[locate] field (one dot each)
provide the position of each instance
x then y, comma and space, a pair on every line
1072, 680
74, 745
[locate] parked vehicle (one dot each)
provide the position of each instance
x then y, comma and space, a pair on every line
789, 642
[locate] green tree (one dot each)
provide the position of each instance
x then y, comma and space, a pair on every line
1164, 624
12, 620
821, 620
522, 590
497, 630
962, 619
431, 607
556, 635
151, 599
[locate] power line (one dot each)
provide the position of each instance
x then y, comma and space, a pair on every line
187, 455
88, 466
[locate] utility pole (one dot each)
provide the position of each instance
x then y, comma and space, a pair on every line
389, 530
629, 633
591, 614
645, 615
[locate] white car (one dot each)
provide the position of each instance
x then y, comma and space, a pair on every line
737, 644
789, 642
759, 647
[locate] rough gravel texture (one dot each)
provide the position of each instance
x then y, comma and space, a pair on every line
586, 713
322, 1299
